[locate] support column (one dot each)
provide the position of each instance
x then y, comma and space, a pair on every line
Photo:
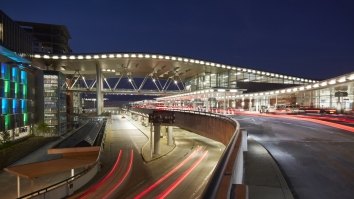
224, 104
170, 136
157, 128
99, 95
151, 139
18, 186
72, 172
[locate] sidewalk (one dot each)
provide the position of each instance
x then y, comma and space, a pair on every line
145, 150
262, 174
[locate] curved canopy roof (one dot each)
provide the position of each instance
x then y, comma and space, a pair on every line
141, 65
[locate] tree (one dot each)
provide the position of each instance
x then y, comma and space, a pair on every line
5, 137
42, 128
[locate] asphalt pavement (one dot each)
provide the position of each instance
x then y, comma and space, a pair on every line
316, 160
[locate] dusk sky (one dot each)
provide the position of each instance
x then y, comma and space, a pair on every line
306, 38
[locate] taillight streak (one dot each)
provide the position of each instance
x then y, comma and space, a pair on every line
181, 178
163, 178
116, 186
100, 183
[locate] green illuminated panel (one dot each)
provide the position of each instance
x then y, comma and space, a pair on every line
16, 89
6, 86
25, 118
7, 122
24, 91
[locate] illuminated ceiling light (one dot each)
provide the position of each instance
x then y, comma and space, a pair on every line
126, 55
103, 69
249, 70
342, 79
212, 64
63, 57
294, 89
282, 91
130, 80
324, 84
173, 58
222, 66
72, 57
37, 56
191, 60
113, 70
111, 56
88, 57
277, 92
160, 57
246, 80
55, 57
276, 75
140, 55
185, 60
268, 74
207, 63
80, 57
153, 80
153, 56
351, 77
104, 56
315, 85
108, 70
133, 55
96, 56
308, 87
333, 81
221, 90
233, 68
301, 88
233, 90
179, 59
272, 75
197, 61
147, 56
167, 57
175, 82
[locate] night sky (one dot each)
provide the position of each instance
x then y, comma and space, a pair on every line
306, 38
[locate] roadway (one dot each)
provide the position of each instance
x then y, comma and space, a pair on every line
316, 160
182, 173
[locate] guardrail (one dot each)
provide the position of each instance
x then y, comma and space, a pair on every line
68, 186
226, 180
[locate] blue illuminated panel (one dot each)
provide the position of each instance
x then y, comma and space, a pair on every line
4, 106
24, 77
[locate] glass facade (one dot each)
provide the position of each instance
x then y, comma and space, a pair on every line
55, 102
14, 99
230, 78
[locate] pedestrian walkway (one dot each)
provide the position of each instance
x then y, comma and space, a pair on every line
262, 174
146, 149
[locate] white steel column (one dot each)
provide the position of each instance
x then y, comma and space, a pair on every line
99, 95
18, 186
157, 128
170, 135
